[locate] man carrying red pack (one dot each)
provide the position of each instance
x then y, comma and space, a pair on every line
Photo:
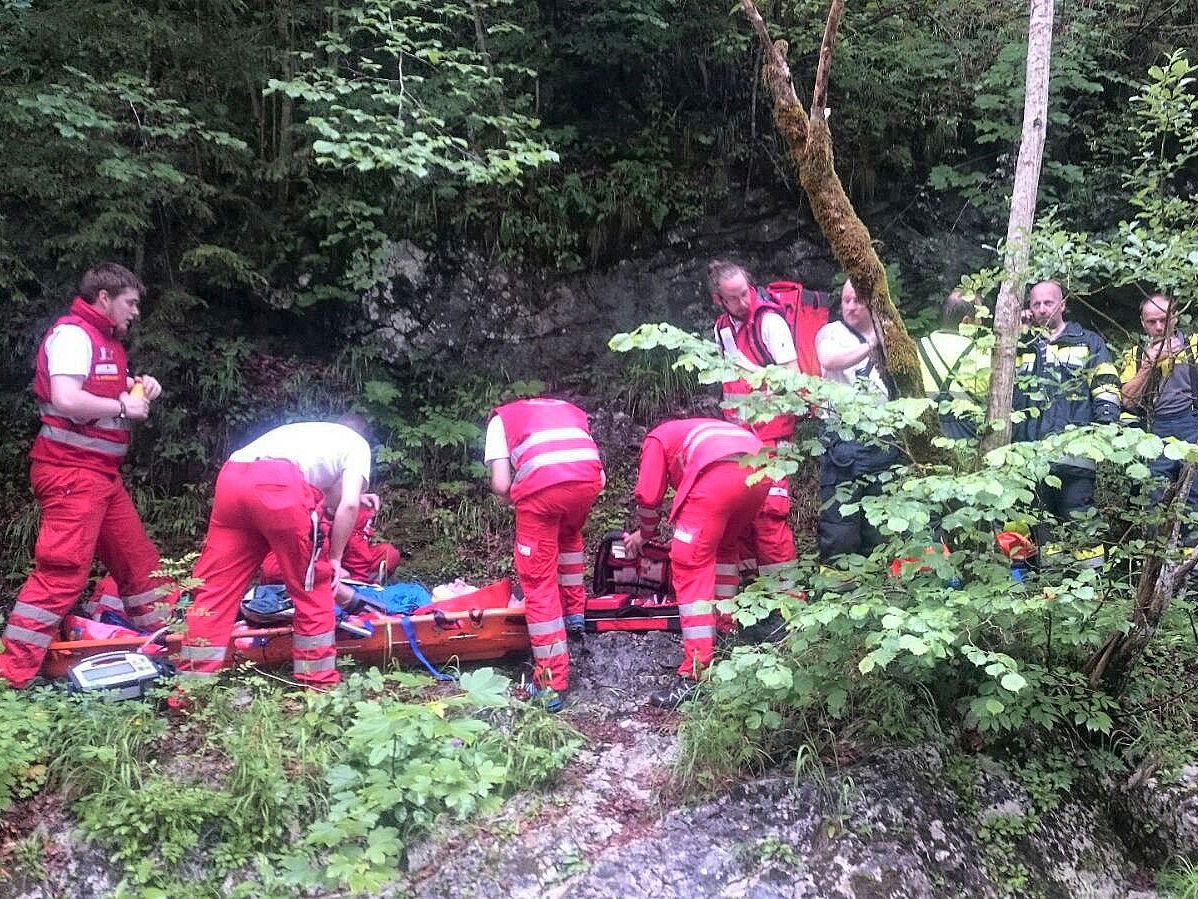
87, 402
543, 460
752, 333
713, 507
272, 495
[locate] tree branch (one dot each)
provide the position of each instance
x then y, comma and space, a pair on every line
823, 71
777, 70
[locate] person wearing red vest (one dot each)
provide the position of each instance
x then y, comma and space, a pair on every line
713, 506
82, 386
543, 460
752, 333
272, 495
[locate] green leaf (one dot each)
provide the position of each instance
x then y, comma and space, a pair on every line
1013, 681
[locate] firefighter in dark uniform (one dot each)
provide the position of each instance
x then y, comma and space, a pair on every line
1065, 372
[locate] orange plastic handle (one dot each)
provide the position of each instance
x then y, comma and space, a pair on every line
137, 390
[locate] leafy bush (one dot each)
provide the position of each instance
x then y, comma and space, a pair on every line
289, 790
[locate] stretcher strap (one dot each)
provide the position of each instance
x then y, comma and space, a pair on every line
410, 631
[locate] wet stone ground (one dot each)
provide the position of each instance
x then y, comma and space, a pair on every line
887, 826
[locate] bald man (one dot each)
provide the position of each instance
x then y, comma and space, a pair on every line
1064, 371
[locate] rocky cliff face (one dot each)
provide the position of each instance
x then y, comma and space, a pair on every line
457, 308
457, 304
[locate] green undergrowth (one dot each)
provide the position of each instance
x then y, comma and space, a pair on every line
286, 791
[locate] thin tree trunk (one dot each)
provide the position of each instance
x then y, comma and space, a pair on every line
283, 148
1161, 580
1007, 323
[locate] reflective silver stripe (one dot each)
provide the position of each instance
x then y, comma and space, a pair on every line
543, 628
694, 609
774, 568
571, 559
98, 444
570, 580
19, 634
310, 574
548, 436
108, 601
187, 673
35, 613
140, 599
747, 565
155, 617
698, 633
310, 666
557, 457
729, 569
548, 652
704, 433
203, 653
314, 641
726, 591
113, 423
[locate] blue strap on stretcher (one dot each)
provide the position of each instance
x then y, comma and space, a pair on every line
409, 630
402, 600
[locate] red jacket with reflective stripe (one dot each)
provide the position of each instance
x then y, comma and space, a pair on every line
751, 342
97, 443
676, 453
549, 442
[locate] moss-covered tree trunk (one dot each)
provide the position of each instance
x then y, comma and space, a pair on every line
809, 143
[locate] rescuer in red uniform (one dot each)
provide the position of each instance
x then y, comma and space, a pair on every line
713, 506
272, 495
82, 386
753, 333
543, 460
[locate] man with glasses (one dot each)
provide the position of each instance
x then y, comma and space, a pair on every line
752, 333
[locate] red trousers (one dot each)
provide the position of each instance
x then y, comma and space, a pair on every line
85, 514
769, 544
262, 506
707, 533
549, 562
147, 612
370, 562
362, 561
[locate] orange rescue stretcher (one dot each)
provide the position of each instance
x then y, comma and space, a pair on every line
475, 626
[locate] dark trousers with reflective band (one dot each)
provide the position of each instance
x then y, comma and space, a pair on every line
549, 562
85, 514
261, 506
852, 463
707, 531
1183, 427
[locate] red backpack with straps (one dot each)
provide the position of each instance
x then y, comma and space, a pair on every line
806, 311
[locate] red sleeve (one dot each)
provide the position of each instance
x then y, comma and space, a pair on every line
651, 483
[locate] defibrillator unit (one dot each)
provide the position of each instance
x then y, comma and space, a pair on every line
122, 675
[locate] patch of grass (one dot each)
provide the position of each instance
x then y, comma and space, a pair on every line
1178, 879
654, 387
